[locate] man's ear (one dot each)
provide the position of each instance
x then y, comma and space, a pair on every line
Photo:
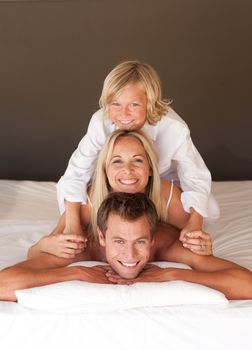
101, 237
152, 241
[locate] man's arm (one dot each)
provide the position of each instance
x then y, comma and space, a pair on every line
227, 277
45, 269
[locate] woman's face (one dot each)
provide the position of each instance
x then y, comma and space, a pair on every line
128, 170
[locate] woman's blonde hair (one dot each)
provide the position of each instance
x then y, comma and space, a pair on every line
100, 186
130, 72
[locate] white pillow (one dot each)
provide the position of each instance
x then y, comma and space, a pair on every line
81, 296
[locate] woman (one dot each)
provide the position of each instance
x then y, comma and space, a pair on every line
128, 162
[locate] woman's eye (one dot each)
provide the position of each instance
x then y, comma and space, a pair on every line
115, 104
116, 161
138, 160
134, 104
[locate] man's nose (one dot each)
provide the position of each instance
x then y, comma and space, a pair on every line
130, 251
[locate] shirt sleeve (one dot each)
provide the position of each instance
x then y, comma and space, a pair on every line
72, 186
194, 176
181, 161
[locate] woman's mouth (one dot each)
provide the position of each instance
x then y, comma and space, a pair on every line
128, 181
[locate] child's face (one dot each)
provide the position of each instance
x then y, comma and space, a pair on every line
128, 109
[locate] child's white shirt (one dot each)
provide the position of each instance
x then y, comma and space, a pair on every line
179, 161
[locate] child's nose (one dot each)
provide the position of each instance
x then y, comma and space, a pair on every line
125, 110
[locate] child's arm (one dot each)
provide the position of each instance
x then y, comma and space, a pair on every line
72, 187
180, 160
73, 184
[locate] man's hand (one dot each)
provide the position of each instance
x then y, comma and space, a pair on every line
63, 245
113, 277
151, 273
94, 274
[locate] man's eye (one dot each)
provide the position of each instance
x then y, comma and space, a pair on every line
142, 242
118, 241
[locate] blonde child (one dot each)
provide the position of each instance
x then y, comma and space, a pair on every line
130, 100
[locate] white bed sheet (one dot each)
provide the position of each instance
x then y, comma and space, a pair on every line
29, 209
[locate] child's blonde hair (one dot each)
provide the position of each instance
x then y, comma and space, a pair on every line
100, 185
130, 72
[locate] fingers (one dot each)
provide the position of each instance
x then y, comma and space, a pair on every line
198, 242
68, 245
73, 238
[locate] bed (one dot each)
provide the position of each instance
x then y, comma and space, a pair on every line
28, 210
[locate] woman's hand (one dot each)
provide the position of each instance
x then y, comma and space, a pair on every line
198, 242
63, 245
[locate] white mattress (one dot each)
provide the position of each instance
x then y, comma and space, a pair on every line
29, 209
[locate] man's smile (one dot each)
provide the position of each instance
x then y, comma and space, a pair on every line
128, 265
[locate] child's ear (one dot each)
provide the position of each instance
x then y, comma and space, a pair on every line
101, 237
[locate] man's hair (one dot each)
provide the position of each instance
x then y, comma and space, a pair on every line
100, 186
131, 72
129, 206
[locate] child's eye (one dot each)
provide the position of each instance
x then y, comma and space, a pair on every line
134, 104
115, 104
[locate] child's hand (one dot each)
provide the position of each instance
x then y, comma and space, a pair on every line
198, 242
63, 245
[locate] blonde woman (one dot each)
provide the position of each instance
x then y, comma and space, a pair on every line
128, 162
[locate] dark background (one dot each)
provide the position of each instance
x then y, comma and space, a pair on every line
54, 56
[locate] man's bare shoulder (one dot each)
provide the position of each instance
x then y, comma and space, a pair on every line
164, 238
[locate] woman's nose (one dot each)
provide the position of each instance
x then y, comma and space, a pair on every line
127, 168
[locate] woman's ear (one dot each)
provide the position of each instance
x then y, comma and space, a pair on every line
101, 237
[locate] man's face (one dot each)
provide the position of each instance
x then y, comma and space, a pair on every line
127, 245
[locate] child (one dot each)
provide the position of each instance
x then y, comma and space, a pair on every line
131, 99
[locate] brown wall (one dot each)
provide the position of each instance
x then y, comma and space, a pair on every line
54, 56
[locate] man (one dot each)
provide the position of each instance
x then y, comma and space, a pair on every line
127, 242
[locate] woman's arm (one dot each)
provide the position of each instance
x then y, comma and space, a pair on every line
64, 245
191, 235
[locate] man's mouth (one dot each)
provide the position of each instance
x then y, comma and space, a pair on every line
128, 265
